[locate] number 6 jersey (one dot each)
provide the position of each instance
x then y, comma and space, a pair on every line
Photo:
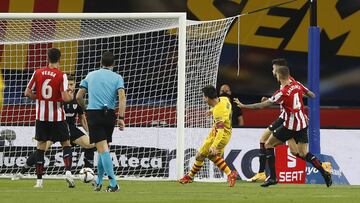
290, 98
48, 84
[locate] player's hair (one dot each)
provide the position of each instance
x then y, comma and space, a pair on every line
107, 59
54, 55
283, 72
224, 94
71, 77
209, 91
280, 62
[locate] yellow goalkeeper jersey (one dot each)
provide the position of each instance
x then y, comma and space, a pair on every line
222, 113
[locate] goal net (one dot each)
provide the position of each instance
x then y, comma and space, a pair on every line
163, 80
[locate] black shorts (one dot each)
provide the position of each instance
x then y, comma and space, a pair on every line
101, 125
285, 134
75, 133
276, 124
52, 131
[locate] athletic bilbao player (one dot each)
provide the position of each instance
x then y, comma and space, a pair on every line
295, 123
51, 90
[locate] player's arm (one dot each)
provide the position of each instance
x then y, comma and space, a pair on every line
237, 113
306, 91
29, 93
264, 99
219, 117
241, 120
66, 93
67, 96
209, 112
80, 97
30, 87
310, 94
260, 105
122, 106
220, 125
82, 118
83, 122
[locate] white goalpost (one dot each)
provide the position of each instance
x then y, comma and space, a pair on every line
164, 59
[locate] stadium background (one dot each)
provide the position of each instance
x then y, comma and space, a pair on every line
278, 32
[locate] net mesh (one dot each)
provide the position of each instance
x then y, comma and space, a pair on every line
146, 55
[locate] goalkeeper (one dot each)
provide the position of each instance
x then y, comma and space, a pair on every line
219, 136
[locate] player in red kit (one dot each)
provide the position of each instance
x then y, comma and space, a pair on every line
51, 90
294, 126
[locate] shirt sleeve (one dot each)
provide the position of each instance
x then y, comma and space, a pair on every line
277, 97
65, 83
31, 84
84, 82
303, 88
120, 84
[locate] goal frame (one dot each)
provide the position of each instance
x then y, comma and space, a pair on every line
181, 16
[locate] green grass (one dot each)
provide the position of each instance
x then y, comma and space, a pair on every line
155, 191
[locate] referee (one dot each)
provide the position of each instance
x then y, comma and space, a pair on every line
103, 86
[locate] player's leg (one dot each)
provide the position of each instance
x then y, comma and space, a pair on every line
79, 138
107, 164
199, 162
261, 176
67, 158
42, 135
40, 160
302, 140
103, 148
97, 135
200, 156
30, 162
48, 145
220, 162
195, 168
279, 136
61, 133
67, 154
84, 142
293, 147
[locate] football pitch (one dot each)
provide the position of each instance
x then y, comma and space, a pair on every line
170, 191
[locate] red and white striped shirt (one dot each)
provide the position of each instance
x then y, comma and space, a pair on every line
48, 84
282, 111
290, 99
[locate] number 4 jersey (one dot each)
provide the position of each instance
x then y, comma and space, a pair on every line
48, 84
290, 99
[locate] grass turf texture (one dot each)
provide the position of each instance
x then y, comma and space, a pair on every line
158, 191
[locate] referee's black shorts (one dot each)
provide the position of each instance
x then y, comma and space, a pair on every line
101, 125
